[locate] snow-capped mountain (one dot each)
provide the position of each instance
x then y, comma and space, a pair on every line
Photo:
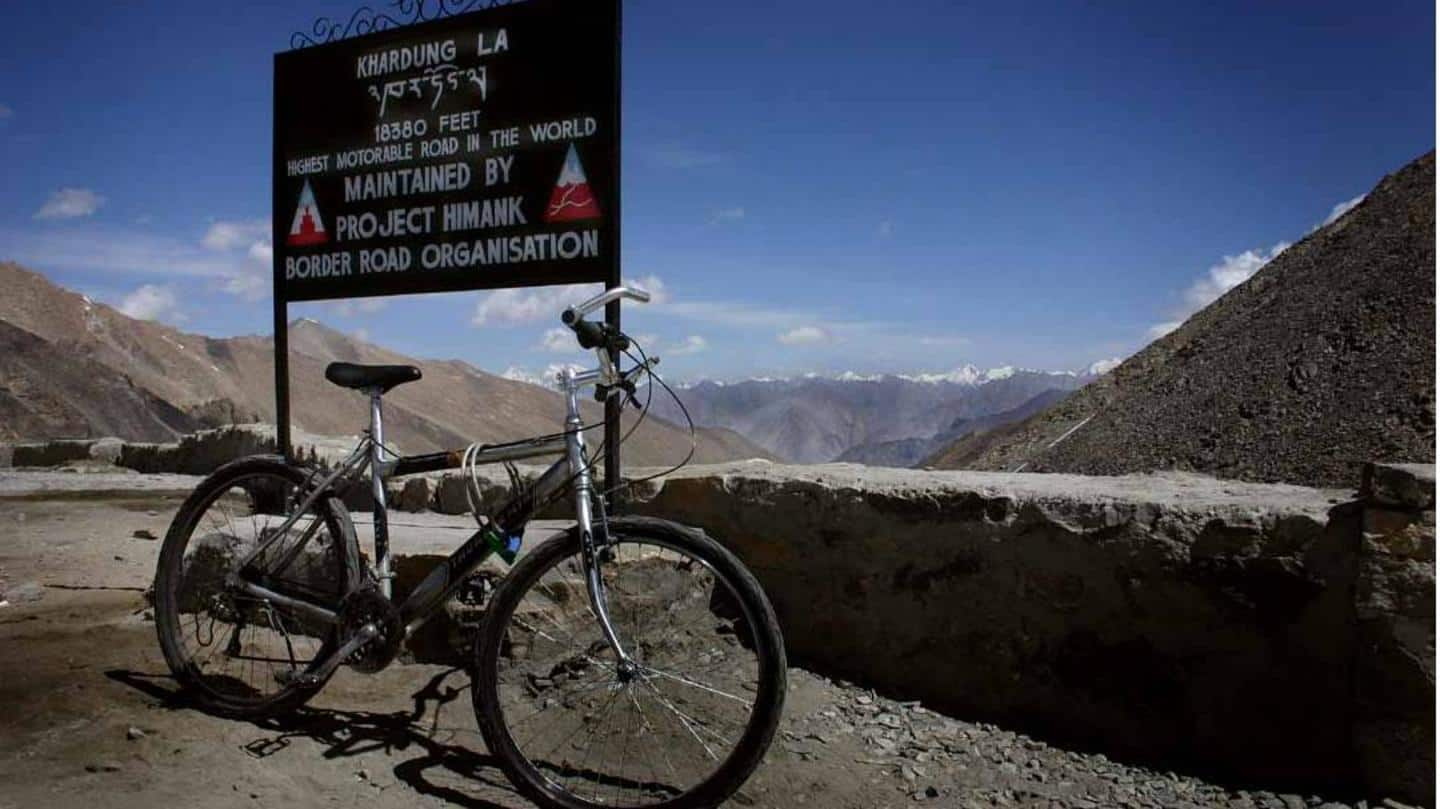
964, 375
815, 418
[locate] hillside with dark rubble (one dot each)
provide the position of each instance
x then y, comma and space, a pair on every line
1321, 361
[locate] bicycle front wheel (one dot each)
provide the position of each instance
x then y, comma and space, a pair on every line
684, 727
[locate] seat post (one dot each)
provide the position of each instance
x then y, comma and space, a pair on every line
377, 491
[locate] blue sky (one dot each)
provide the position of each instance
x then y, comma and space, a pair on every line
816, 186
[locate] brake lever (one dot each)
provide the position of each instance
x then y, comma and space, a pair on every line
624, 386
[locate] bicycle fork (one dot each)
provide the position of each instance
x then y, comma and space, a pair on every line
582, 489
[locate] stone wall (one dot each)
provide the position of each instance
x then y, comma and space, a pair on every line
1395, 632
198, 453
1233, 627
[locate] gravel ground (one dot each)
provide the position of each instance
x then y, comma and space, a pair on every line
95, 721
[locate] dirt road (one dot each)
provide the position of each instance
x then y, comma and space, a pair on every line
91, 719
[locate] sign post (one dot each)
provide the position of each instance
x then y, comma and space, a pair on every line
476, 151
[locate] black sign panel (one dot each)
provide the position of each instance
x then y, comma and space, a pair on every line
472, 152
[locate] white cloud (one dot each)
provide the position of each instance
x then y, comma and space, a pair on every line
70, 203
230, 235
804, 335
558, 340
250, 286
509, 307
1341, 208
140, 252
652, 284
251, 280
517, 374
692, 344
1161, 329
261, 252
1100, 367
1232, 271
150, 302
721, 215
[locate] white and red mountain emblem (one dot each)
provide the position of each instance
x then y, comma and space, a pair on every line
572, 198
307, 228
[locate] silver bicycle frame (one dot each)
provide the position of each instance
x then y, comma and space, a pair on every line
573, 468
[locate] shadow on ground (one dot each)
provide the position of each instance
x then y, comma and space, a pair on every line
351, 733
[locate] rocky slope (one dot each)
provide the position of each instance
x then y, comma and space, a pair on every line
37, 385
75, 368
814, 419
1323, 360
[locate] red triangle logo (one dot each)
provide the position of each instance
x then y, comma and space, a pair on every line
572, 199
307, 228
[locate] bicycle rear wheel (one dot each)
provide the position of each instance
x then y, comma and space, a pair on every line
236, 654
685, 727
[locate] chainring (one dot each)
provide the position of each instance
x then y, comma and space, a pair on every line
367, 606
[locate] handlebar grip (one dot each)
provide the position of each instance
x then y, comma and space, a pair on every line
589, 333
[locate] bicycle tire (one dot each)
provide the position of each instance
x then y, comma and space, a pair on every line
169, 580
765, 636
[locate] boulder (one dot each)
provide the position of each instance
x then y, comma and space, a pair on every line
1399, 485
415, 494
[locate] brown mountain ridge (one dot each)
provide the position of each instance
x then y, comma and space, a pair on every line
73, 367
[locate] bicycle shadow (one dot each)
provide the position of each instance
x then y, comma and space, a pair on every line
351, 733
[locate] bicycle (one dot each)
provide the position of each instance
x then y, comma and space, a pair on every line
616, 635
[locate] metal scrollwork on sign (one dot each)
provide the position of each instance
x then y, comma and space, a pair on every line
367, 20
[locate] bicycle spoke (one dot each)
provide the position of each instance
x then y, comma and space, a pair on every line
615, 748
242, 647
667, 675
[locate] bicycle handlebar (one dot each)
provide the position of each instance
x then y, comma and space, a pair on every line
576, 313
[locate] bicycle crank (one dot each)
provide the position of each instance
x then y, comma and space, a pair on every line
369, 608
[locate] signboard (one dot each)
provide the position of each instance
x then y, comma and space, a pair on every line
471, 152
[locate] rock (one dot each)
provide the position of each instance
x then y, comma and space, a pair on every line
133, 733
414, 495
144, 533
450, 495
1403, 485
